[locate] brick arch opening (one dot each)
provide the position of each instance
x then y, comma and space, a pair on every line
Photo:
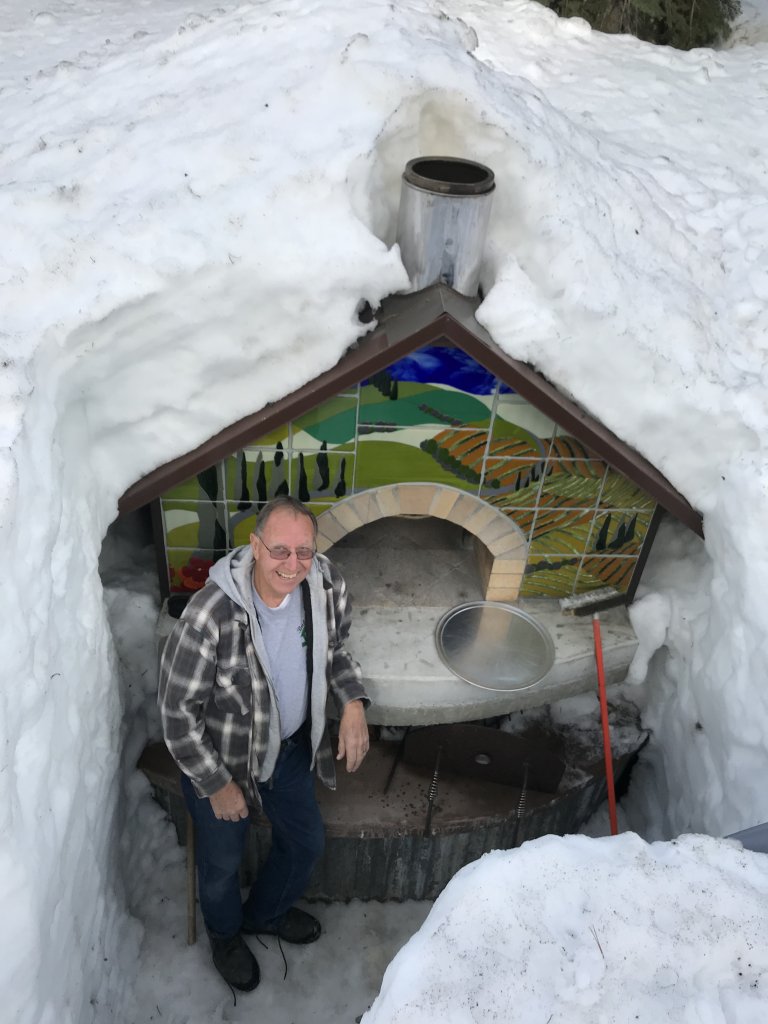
499, 544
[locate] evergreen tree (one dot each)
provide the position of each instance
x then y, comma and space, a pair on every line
279, 474
683, 24
245, 498
341, 487
382, 382
209, 481
619, 540
631, 529
323, 468
602, 538
303, 486
261, 485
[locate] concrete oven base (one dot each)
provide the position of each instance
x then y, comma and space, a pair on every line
383, 844
376, 846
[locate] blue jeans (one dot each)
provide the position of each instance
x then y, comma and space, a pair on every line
289, 801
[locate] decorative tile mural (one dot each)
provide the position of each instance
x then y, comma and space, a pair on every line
435, 416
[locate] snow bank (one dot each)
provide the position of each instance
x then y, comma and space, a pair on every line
195, 201
585, 930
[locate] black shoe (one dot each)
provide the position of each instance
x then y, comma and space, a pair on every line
294, 926
235, 962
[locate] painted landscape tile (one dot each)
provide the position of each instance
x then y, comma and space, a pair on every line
517, 418
195, 524
460, 452
444, 366
513, 482
241, 524
407, 460
619, 531
188, 569
574, 482
208, 485
435, 416
241, 472
605, 572
255, 476
550, 577
619, 492
523, 518
566, 446
278, 435
419, 405
331, 425
322, 476
561, 530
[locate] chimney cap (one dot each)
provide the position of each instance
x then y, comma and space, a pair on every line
449, 175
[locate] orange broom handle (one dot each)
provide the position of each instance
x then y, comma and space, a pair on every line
604, 719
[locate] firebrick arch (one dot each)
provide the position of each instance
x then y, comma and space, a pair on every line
499, 543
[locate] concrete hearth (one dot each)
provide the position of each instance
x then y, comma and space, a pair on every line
403, 574
409, 685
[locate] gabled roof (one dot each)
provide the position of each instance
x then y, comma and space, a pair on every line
405, 323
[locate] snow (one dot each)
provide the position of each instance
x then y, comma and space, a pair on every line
610, 929
195, 201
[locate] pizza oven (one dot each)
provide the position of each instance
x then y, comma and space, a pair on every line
452, 484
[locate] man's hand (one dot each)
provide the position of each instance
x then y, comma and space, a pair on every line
228, 803
353, 735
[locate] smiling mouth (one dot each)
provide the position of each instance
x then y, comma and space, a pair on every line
286, 575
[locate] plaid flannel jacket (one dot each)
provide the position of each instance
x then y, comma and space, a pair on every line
214, 696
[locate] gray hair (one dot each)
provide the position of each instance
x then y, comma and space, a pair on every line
284, 501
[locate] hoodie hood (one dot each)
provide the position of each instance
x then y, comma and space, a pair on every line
233, 574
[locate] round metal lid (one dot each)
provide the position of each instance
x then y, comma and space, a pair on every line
494, 646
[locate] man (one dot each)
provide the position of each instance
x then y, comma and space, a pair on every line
243, 685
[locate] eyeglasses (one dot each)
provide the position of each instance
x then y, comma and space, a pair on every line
280, 552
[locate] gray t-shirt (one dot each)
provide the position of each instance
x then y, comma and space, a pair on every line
285, 639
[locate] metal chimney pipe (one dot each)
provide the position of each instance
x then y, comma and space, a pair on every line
445, 207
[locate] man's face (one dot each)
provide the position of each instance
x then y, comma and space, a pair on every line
272, 577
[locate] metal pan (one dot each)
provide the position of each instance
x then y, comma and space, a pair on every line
494, 646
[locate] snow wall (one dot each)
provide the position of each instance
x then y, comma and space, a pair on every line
195, 206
